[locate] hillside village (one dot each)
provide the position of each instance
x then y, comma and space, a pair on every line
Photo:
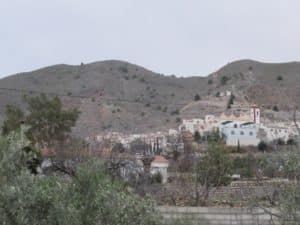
241, 128
244, 129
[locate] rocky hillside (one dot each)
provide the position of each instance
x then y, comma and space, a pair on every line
115, 95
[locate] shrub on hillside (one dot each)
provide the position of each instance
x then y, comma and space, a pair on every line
197, 97
175, 112
230, 101
275, 108
224, 80
262, 146
291, 141
123, 69
280, 141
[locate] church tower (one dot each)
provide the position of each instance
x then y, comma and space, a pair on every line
255, 114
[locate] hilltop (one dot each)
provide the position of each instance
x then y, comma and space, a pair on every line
117, 95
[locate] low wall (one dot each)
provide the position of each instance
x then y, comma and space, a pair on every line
216, 216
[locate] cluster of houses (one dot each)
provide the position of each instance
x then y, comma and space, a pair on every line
155, 140
245, 129
242, 129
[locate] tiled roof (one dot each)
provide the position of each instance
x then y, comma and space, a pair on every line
160, 159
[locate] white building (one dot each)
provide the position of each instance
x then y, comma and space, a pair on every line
160, 165
225, 93
209, 124
228, 93
191, 125
239, 133
173, 132
272, 132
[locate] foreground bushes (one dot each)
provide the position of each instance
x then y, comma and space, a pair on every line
89, 197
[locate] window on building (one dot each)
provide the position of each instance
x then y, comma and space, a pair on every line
235, 125
242, 132
232, 132
251, 133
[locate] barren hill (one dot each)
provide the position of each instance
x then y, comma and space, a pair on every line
116, 95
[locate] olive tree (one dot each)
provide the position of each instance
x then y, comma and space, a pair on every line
212, 170
14, 118
48, 121
86, 197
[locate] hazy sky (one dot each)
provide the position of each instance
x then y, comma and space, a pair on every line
182, 37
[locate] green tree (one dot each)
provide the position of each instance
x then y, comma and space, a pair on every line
14, 117
197, 136
213, 169
175, 112
289, 206
13, 155
118, 147
291, 165
87, 197
197, 97
48, 122
245, 166
279, 78
224, 80
286, 203
230, 101
262, 146
156, 178
275, 108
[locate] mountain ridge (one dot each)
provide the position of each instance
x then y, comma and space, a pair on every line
126, 62
114, 95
